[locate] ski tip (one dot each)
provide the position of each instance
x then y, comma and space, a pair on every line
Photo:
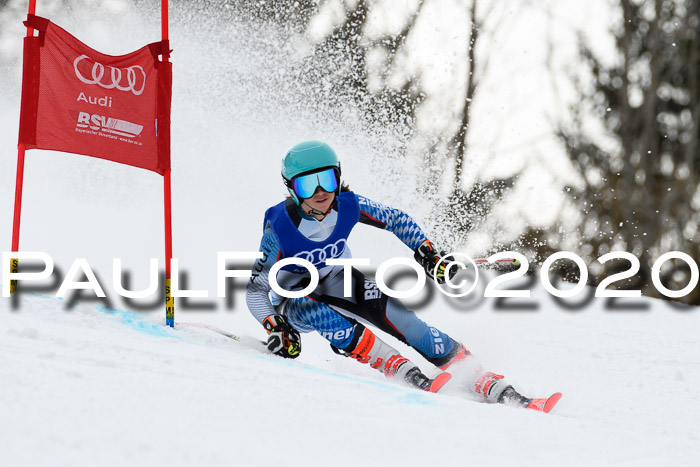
544, 405
551, 402
439, 381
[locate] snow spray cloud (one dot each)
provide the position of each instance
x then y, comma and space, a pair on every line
242, 95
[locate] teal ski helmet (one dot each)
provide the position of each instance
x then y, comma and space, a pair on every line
306, 158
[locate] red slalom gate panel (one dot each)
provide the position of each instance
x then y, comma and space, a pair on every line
78, 100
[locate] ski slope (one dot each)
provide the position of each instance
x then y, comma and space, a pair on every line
83, 385
88, 386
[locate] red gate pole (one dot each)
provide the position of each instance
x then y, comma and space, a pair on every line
19, 182
169, 301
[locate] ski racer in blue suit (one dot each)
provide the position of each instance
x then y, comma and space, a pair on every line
314, 224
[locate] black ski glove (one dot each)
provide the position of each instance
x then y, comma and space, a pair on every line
283, 339
427, 256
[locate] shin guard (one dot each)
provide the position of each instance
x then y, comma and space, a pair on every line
368, 348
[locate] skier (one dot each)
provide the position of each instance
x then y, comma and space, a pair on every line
314, 224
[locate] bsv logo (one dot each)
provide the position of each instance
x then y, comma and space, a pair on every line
371, 290
320, 255
108, 125
134, 75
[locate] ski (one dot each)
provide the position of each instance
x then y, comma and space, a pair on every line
211, 328
248, 341
544, 405
511, 397
439, 381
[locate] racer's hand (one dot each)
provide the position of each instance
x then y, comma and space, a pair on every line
427, 256
283, 339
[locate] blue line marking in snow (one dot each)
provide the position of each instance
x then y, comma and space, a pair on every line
405, 395
128, 318
417, 399
37, 294
152, 329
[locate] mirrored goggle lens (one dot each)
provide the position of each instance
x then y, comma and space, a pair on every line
306, 185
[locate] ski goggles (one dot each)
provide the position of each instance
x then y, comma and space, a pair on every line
305, 185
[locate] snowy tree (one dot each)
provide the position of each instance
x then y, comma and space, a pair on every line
641, 192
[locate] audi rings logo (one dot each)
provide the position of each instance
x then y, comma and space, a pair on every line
135, 76
319, 255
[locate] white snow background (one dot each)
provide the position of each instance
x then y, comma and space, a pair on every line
90, 386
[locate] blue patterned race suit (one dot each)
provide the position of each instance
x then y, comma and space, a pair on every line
288, 232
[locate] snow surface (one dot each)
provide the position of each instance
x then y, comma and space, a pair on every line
86, 386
